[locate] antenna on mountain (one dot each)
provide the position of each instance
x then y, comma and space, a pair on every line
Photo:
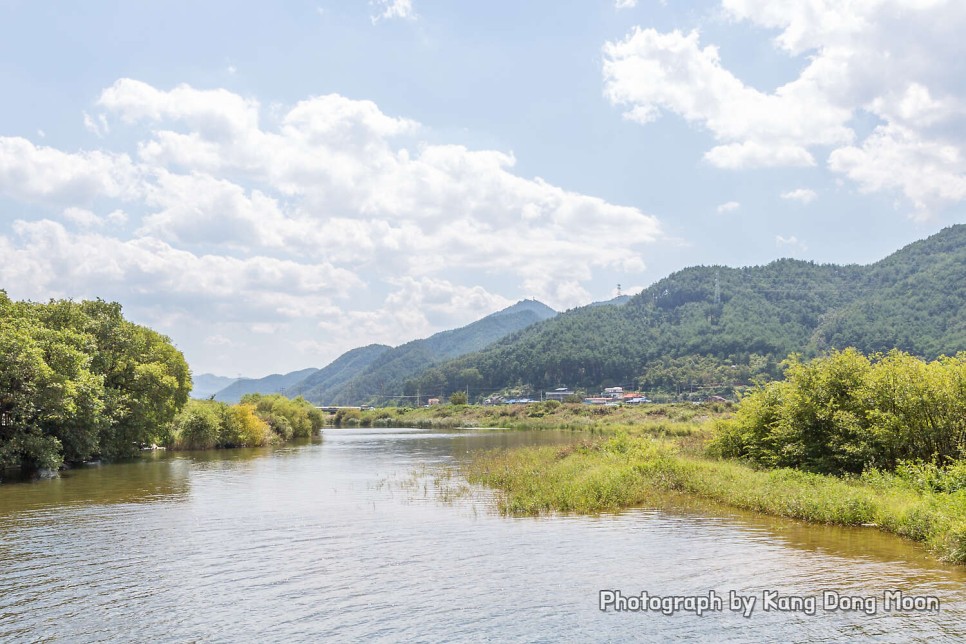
717, 287
618, 290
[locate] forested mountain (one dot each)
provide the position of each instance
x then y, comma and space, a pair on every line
268, 385
347, 366
913, 299
718, 326
207, 385
620, 300
383, 378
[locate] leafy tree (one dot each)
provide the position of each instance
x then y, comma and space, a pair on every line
79, 381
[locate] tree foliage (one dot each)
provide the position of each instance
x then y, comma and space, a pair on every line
257, 421
845, 412
78, 381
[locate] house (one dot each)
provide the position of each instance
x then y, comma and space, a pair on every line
560, 393
597, 400
433, 401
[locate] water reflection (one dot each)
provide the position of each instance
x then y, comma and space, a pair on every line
322, 541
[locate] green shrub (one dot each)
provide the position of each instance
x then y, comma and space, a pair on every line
844, 413
197, 426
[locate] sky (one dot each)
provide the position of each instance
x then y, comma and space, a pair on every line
273, 184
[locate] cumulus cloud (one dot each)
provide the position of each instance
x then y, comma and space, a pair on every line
391, 9
650, 72
890, 59
625, 4
328, 211
44, 174
790, 243
728, 206
803, 195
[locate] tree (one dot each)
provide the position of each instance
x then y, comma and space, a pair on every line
78, 381
458, 398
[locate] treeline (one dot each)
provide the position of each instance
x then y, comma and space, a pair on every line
78, 382
258, 420
848, 413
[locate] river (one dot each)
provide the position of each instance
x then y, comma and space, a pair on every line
346, 538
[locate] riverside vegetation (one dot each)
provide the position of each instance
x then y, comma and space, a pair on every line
844, 439
78, 382
258, 420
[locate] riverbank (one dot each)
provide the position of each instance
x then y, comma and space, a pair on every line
680, 419
609, 474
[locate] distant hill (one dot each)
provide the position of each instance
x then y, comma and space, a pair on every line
342, 369
714, 325
267, 385
384, 378
207, 385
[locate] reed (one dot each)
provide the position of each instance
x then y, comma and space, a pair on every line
605, 475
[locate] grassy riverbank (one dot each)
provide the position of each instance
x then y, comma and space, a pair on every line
607, 474
667, 420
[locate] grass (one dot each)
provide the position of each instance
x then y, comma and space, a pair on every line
604, 475
675, 420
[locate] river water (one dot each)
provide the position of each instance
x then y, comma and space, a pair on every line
347, 538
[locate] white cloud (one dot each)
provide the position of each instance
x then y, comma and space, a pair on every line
791, 242
326, 210
45, 174
43, 259
625, 4
728, 206
649, 72
82, 217
929, 173
886, 58
98, 127
803, 195
392, 9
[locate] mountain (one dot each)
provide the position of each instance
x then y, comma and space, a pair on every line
385, 376
913, 300
344, 368
717, 326
620, 300
208, 384
267, 385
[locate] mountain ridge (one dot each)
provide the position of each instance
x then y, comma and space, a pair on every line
717, 323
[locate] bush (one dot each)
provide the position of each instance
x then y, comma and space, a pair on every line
197, 426
844, 413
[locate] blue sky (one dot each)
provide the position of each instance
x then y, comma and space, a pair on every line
271, 185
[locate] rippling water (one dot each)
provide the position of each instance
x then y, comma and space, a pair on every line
336, 539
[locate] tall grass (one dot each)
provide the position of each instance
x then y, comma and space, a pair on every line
624, 471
